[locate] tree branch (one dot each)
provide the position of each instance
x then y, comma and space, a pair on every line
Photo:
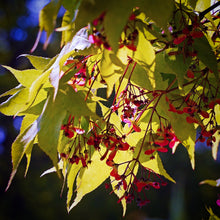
203, 13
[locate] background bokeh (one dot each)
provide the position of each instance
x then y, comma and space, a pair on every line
39, 198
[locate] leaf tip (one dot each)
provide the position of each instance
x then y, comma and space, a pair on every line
10, 179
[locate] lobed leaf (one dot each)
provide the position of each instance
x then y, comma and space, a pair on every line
22, 144
36, 90
12, 91
71, 176
53, 169
141, 78
66, 27
38, 62
88, 11
28, 157
25, 77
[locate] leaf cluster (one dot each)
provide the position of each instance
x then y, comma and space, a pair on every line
158, 65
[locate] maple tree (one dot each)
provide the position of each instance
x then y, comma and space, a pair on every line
160, 71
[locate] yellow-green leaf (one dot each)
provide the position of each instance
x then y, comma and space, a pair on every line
67, 25
25, 77
20, 146
204, 50
179, 66
53, 169
215, 145
111, 69
71, 176
157, 166
79, 42
39, 63
47, 17
141, 78
16, 103
49, 124
12, 91
90, 178
189, 144
145, 56
118, 11
28, 157
211, 182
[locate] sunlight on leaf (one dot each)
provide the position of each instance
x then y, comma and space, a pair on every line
20, 146
110, 69
157, 166
145, 56
189, 144
47, 17
39, 63
90, 178
25, 77
71, 176
15, 103
216, 143
211, 182
53, 169
50, 124
79, 42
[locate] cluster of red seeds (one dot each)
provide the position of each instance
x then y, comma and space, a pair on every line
131, 101
130, 104
184, 38
164, 137
113, 143
80, 77
192, 110
136, 191
98, 37
77, 152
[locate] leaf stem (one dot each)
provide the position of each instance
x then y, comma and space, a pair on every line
132, 72
151, 117
126, 69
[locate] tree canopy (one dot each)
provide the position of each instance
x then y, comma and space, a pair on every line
133, 80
